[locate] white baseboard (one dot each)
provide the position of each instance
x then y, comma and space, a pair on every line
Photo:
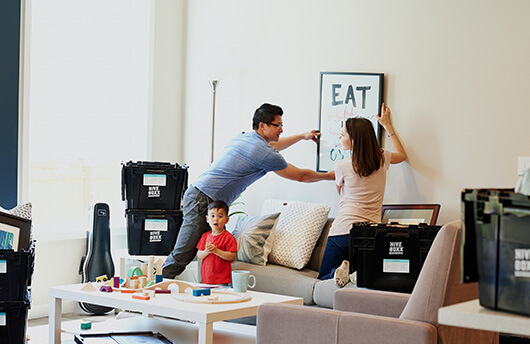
41, 311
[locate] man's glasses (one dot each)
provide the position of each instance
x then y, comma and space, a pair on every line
277, 125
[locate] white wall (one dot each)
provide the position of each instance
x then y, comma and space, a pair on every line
456, 76
57, 258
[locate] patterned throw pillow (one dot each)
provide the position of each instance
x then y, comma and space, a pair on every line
297, 233
251, 234
22, 210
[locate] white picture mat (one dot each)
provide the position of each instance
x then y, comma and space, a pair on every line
407, 216
344, 95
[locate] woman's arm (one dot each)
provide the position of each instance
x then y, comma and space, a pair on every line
398, 155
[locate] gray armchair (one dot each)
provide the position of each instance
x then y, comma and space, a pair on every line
373, 316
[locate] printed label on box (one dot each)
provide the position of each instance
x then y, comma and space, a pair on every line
3, 266
153, 192
396, 247
400, 266
522, 262
155, 236
3, 319
154, 180
156, 225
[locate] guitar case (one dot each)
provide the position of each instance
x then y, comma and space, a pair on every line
98, 260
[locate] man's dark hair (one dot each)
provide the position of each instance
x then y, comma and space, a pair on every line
266, 113
218, 205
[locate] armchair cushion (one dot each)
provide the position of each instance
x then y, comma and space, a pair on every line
369, 301
283, 323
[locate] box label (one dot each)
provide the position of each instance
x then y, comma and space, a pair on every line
154, 180
3, 266
522, 262
155, 236
3, 319
156, 225
396, 247
153, 192
400, 266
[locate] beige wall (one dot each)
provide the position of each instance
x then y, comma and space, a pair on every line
456, 78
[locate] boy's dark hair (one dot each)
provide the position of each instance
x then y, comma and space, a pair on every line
218, 205
266, 113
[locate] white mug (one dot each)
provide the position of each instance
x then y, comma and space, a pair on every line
241, 279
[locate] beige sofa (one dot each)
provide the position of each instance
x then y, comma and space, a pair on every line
304, 283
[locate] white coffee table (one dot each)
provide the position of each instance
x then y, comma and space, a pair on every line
163, 305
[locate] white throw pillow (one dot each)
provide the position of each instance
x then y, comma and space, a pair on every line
297, 232
21, 210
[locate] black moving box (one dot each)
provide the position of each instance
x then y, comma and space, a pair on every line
16, 270
152, 232
13, 320
153, 185
388, 256
496, 247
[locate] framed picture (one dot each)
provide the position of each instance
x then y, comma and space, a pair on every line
15, 232
344, 95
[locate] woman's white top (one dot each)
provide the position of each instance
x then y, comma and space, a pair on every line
361, 198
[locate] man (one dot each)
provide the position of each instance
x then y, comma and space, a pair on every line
247, 158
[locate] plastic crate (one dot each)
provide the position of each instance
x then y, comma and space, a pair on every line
496, 247
13, 321
389, 257
16, 270
152, 232
153, 185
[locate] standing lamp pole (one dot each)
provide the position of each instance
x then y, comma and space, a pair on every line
214, 84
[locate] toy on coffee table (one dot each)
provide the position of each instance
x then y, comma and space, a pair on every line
144, 285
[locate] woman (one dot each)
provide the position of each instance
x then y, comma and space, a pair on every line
360, 181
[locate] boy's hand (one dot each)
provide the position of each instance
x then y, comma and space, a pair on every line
211, 247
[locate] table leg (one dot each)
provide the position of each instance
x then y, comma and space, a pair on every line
54, 320
205, 333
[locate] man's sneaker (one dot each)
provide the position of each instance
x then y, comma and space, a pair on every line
342, 274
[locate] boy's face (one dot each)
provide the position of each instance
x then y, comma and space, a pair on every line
217, 218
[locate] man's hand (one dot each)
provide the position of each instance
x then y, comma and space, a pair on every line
312, 135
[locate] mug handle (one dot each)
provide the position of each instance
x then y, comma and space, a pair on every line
253, 283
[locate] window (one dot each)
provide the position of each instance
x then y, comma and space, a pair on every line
89, 107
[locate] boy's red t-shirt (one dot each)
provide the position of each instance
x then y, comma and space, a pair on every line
214, 269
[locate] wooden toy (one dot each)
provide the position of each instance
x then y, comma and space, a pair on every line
106, 289
140, 297
199, 292
102, 278
150, 266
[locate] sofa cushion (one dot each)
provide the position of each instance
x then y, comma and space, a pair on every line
252, 233
278, 279
297, 231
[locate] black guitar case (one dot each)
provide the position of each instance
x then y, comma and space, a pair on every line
98, 260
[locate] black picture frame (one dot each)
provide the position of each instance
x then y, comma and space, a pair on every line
344, 95
19, 227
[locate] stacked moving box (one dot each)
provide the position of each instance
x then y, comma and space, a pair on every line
153, 191
17, 258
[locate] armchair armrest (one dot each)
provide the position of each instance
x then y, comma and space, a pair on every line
369, 301
284, 323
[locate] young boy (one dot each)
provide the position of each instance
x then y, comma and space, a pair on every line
217, 248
